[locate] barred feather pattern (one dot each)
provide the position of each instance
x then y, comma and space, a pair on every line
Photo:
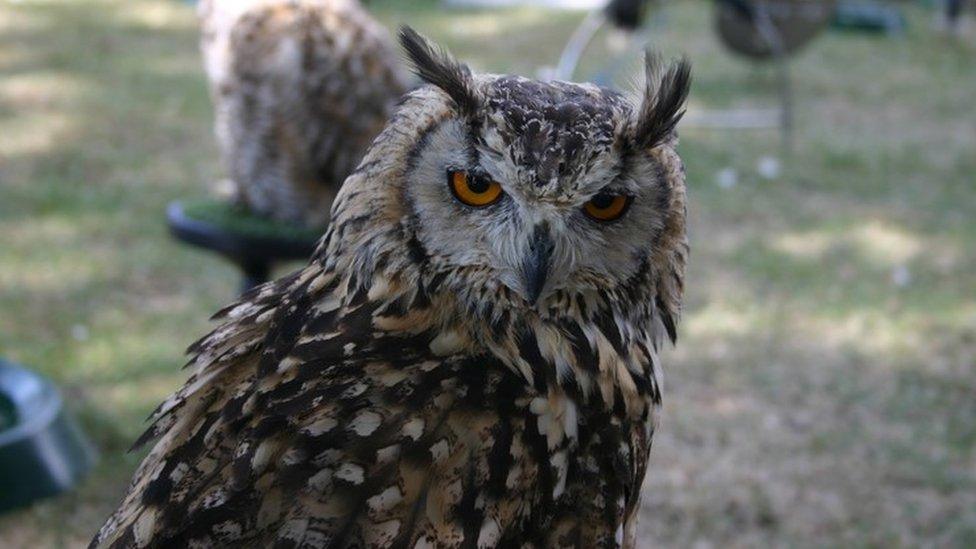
378, 397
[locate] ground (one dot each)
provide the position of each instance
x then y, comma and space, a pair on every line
822, 389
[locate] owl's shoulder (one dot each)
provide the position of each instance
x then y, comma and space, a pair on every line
302, 423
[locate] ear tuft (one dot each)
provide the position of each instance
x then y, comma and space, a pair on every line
434, 65
665, 93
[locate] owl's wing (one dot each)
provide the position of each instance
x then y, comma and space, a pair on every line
311, 420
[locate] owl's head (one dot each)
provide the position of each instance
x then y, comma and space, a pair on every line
536, 194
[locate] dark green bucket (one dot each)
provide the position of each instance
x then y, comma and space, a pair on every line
42, 453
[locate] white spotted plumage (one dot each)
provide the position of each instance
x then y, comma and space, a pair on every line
441, 388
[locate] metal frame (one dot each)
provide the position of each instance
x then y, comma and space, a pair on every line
583, 35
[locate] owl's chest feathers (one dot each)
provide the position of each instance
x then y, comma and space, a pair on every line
568, 369
584, 386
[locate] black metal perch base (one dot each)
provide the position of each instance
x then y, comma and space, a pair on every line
254, 254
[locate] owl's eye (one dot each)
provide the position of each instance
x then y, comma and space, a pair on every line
607, 206
472, 190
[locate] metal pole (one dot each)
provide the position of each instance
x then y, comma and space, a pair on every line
581, 38
769, 33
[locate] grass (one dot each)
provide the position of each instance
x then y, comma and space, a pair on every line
239, 220
822, 391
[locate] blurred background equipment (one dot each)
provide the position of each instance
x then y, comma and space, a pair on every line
772, 30
953, 11
626, 16
874, 16
760, 30
42, 452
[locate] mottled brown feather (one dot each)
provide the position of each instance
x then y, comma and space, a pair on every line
383, 397
300, 89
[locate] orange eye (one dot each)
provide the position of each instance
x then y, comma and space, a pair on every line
607, 207
476, 192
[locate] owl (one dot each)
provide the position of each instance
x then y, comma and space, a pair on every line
470, 359
300, 89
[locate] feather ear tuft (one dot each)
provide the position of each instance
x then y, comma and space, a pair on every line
435, 65
665, 93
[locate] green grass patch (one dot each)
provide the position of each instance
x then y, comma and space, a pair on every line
237, 219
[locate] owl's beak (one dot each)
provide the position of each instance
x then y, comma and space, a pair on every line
535, 266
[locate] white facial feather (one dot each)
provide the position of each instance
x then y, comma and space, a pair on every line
495, 239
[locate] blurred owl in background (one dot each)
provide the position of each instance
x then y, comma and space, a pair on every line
300, 89
470, 359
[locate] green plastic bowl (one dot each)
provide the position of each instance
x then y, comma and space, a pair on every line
42, 452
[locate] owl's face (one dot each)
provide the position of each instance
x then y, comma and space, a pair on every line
537, 188
541, 195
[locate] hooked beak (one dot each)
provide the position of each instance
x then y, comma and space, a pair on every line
535, 266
